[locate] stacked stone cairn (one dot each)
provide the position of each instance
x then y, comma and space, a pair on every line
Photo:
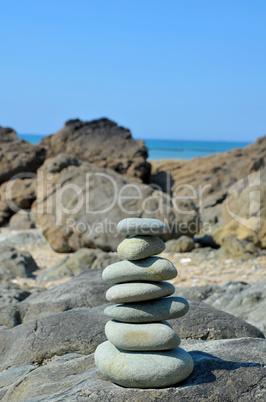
142, 350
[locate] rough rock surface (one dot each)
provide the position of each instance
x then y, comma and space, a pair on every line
243, 215
224, 370
79, 330
81, 260
204, 322
103, 143
243, 300
15, 263
86, 289
247, 301
85, 212
17, 155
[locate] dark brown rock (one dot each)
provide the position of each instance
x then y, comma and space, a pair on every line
243, 216
17, 155
214, 173
103, 143
212, 182
79, 205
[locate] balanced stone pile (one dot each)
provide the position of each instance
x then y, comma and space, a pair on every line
142, 349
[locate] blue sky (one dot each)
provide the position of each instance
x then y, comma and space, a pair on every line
165, 69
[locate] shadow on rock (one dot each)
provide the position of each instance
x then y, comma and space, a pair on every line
206, 364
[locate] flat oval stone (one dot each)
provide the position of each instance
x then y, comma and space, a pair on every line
142, 337
153, 269
139, 291
138, 247
141, 226
150, 311
143, 369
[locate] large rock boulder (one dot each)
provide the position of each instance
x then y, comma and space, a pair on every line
243, 213
212, 176
79, 330
79, 205
224, 370
17, 155
247, 301
103, 143
86, 289
204, 322
15, 263
230, 191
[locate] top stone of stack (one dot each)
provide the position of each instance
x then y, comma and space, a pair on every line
141, 226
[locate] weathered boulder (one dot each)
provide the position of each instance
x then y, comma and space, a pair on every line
224, 370
80, 206
17, 155
86, 289
208, 179
76, 331
204, 322
243, 214
229, 189
247, 301
103, 143
15, 263
82, 260
182, 245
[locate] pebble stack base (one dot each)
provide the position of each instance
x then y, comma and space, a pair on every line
142, 350
143, 369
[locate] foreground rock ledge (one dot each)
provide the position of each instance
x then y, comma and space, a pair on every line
225, 370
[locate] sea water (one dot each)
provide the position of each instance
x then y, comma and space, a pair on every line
171, 149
